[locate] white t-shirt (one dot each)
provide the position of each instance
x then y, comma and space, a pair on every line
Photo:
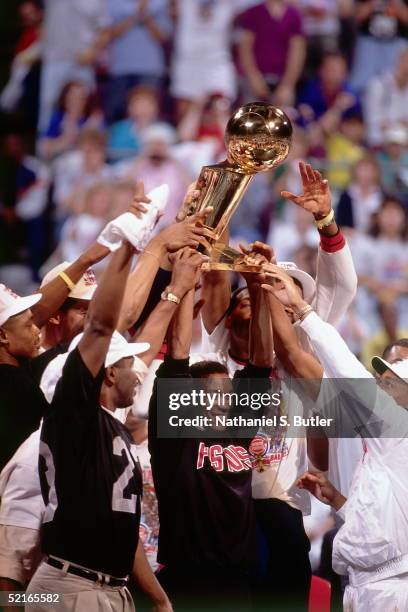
204, 38
283, 459
21, 501
70, 27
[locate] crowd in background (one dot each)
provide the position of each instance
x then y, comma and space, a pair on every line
100, 94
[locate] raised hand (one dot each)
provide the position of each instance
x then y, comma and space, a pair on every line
257, 253
283, 287
259, 248
191, 232
186, 270
316, 197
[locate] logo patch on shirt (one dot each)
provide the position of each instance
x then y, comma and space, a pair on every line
263, 451
230, 458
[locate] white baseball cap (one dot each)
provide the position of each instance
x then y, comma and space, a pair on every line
399, 368
12, 304
308, 283
161, 132
118, 349
84, 288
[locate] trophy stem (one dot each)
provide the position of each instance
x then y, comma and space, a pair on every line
224, 257
221, 187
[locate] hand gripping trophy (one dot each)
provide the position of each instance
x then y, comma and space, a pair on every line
258, 138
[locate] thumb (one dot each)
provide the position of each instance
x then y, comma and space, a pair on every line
140, 195
292, 197
325, 186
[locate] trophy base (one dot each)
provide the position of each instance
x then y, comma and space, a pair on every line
223, 257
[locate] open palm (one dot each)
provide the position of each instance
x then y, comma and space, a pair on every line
316, 197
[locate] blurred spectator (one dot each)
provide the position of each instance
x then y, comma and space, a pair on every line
206, 119
363, 196
122, 196
321, 19
287, 239
271, 51
382, 34
386, 101
142, 111
305, 257
328, 96
156, 166
75, 172
23, 194
74, 111
73, 36
139, 30
382, 266
344, 149
287, 178
393, 160
202, 63
24, 76
83, 227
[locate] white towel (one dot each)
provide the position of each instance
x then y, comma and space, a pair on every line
129, 227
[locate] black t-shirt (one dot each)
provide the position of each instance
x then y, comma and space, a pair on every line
90, 477
22, 405
204, 497
383, 24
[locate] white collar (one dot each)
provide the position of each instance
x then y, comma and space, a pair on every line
120, 414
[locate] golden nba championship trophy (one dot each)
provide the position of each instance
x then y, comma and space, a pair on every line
258, 138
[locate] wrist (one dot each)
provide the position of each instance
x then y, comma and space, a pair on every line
324, 219
302, 310
157, 245
176, 289
338, 500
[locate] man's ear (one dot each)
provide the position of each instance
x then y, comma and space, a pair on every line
56, 319
3, 337
110, 376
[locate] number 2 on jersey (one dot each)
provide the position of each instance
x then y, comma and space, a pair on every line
125, 489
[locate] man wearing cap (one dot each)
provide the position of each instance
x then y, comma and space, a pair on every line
90, 477
372, 545
66, 322
331, 293
22, 403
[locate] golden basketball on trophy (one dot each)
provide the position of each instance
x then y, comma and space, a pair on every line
258, 138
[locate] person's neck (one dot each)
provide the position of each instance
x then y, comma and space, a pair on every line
139, 432
366, 189
239, 348
275, 7
390, 236
106, 399
8, 359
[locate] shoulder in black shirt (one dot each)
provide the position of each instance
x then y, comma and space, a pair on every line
22, 405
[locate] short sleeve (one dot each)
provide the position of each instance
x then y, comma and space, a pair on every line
296, 22
76, 396
247, 21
